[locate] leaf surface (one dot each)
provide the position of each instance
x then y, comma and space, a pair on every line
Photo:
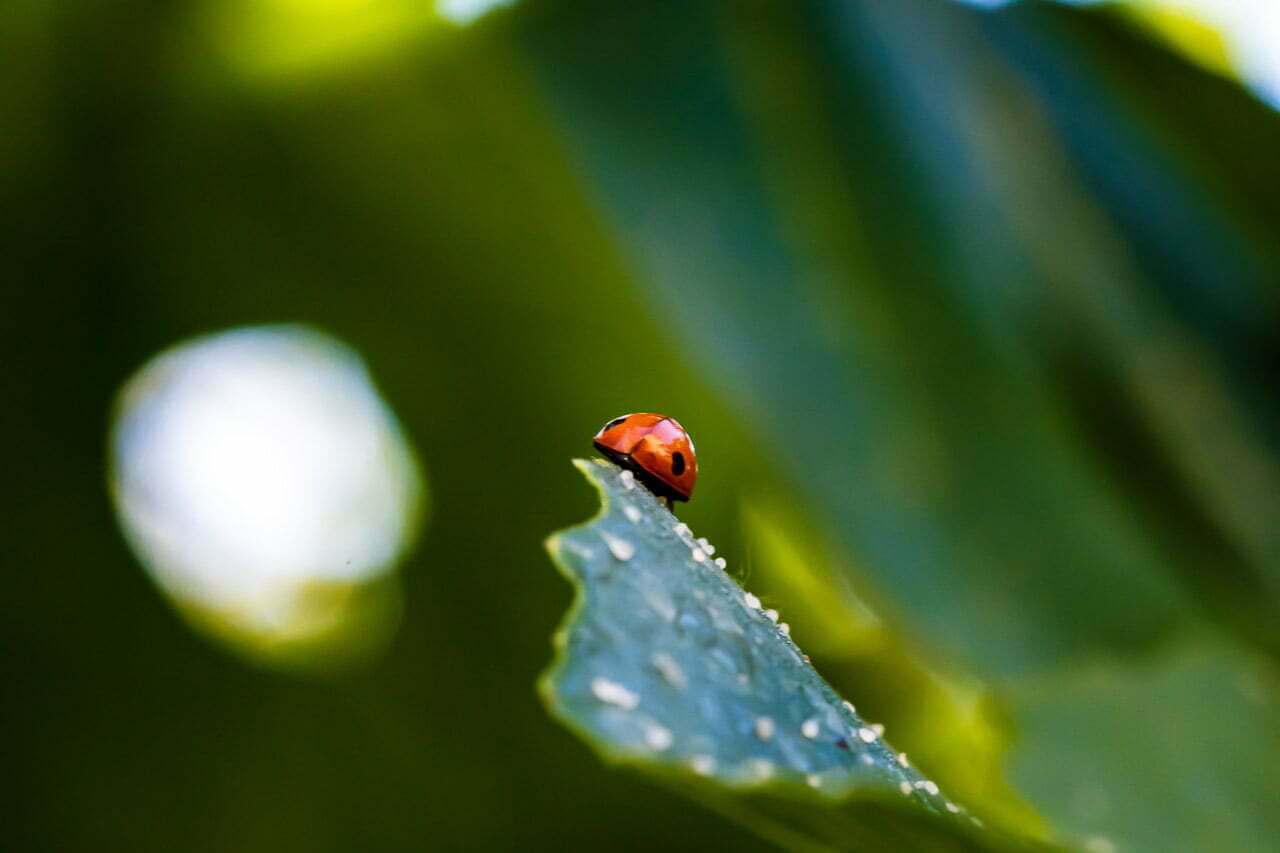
666, 664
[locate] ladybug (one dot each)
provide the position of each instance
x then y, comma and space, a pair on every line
656, 449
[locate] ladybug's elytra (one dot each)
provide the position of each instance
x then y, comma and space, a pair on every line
656, 449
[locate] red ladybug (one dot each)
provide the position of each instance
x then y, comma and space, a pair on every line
656, 449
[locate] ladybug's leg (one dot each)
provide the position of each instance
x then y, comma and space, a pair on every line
671, 508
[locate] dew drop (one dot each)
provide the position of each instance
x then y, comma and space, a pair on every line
764, 728
658, 737
612, 693
621, 549
670, 670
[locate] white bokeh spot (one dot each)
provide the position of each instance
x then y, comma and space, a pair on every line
467, 11
255, 466
1250, 30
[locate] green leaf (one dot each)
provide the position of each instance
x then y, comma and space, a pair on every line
781, 213
665, 663
1174, 753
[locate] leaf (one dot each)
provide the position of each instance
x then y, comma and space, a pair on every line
1176, 753
766, 186
666, 664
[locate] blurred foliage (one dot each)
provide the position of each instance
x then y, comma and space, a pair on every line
987, 301
1178, 753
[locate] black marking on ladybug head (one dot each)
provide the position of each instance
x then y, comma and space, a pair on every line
677, 463
613, 423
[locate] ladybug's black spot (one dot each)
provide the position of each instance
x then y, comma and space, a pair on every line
613, 423
677, 463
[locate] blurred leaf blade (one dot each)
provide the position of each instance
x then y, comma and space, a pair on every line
1142, 255
1178, 752
906, 456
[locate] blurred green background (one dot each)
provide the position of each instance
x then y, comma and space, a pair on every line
973, 314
